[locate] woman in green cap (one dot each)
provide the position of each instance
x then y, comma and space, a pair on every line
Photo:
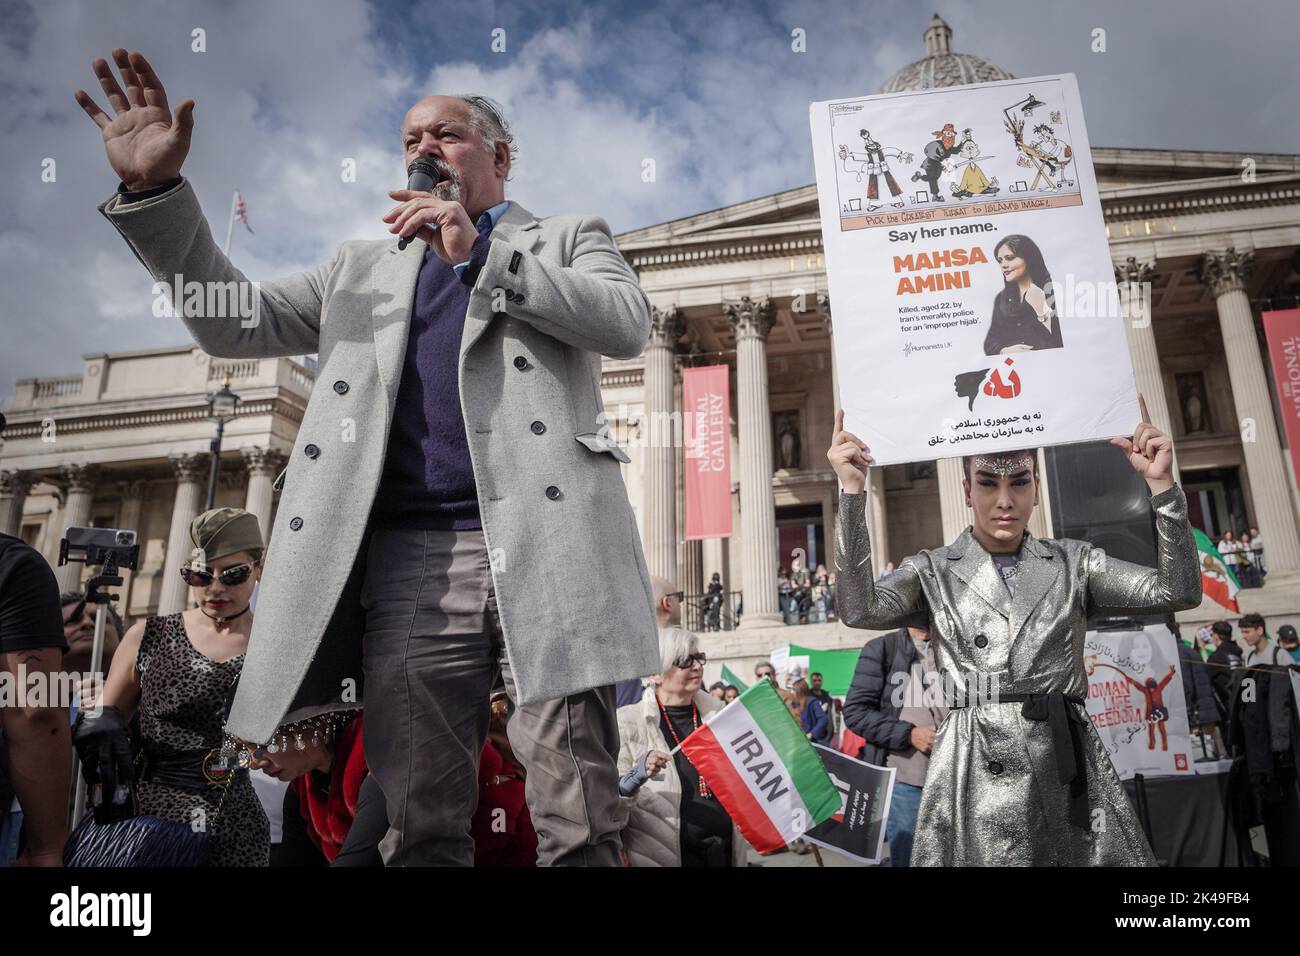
180, 671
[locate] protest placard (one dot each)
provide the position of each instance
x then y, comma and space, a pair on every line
1136, 702
857, 830
971, 284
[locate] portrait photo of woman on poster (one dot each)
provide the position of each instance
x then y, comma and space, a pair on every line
1024, 313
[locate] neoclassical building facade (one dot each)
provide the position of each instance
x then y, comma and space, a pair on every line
124, 442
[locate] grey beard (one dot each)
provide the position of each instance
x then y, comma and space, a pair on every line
448, 190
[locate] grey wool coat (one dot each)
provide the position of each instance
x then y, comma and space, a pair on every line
554, 295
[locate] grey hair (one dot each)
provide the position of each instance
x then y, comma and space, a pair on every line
487, 116
674, 644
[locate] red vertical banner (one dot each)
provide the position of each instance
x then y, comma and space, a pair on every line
1282, 329
706, 426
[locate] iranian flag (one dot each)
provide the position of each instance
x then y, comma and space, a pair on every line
1217, 579
763, 770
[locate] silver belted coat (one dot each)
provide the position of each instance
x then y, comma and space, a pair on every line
1022, 781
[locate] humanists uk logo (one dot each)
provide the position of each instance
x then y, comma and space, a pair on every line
76, 909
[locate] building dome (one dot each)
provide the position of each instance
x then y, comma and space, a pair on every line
942, 67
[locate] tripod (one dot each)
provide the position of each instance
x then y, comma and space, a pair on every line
108, 577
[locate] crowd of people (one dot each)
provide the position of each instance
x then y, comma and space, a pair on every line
1244, 554
806, 597
150, 739
803, 597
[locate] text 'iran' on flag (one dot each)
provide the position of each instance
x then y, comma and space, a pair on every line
763, 769
1217, 579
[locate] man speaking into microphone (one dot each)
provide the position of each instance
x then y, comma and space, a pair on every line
449, 461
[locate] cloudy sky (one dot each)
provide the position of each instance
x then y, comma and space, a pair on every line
287, 90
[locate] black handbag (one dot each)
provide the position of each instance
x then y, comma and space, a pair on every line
136, 841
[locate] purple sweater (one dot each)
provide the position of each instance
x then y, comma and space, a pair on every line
428, 480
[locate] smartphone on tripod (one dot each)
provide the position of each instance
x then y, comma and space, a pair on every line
112, 550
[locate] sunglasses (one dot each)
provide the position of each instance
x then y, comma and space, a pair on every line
686, 662
230, 577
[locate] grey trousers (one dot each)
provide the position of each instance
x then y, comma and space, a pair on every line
432, 652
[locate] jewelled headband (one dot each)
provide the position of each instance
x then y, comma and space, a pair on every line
323, 728
1004, 465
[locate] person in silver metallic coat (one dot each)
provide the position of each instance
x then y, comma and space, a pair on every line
1018, 775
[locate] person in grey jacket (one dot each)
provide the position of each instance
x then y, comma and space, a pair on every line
451, 457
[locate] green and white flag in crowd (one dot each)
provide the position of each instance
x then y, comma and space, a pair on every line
1217, 579
729, 678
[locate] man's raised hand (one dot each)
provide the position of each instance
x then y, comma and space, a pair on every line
146, 144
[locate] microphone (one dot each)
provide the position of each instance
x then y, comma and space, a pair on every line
422, 175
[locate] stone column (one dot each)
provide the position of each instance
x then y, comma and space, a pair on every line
14, 486
264, 465
666, 327
692, 569
1133, 279
877, 522
129, 518
1225, 273
752, 321
79, 487
191, 476
952, 499
824, 302
132, 508
876, 525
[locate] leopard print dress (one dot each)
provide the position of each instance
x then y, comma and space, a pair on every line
182, 707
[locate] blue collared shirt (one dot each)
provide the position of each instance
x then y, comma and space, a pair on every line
495, 213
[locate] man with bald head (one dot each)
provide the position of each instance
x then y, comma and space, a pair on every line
668, 602
451, 457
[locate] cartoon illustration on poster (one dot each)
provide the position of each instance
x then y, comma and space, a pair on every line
1135, 700
975, 301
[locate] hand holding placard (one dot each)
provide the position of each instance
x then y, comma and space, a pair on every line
848, 457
